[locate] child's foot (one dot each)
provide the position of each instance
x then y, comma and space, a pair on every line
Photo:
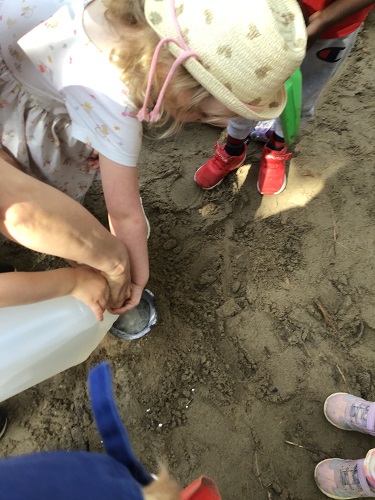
213, 172
3, 423
272, 177
350, 413
342, 479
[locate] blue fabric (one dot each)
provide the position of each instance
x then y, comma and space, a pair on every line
114, 435
79, 475
63, 475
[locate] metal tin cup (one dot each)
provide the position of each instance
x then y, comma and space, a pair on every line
137, 322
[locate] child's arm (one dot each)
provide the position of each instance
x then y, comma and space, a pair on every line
42, 218
26, 288
335, 12
127, 221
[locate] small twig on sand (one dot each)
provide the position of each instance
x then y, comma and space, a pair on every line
343, 377
294, 444
256, 464
346, 248
257, 468
327, 318
300, 446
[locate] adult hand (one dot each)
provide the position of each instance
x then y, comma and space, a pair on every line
90, 288
120, 286
118, 280
45, 220
133, 301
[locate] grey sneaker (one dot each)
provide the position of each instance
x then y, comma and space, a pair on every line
350, 413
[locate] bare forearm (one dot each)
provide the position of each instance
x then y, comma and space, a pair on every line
41, 218
341, 9
133, 233
127, 221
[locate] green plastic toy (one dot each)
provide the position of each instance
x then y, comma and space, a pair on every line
291, 116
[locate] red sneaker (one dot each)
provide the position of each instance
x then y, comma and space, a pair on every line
213, 172
271, 177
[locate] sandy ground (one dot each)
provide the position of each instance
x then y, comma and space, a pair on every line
266, 307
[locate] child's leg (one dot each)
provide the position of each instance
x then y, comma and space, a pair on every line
320, 64
239, 128
238, 131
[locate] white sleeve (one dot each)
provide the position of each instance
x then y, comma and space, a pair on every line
108, 126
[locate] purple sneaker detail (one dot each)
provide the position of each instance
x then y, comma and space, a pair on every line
342, 479
350, 413
262, 131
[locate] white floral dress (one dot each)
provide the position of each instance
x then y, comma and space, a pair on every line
59, 96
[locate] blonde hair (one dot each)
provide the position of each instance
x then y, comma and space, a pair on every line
133, 57
164, 488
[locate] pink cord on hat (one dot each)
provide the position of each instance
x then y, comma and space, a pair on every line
177, 26
154, 115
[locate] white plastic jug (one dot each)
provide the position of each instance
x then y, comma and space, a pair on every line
37, 341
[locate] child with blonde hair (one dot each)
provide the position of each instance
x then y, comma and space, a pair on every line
80, 76
332, 28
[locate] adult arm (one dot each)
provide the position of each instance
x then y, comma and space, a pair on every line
43, 219
338, 10
127, 221
29, 287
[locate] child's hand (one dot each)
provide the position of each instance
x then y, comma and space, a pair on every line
314, 25
93, 160
92, 289
118, 281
